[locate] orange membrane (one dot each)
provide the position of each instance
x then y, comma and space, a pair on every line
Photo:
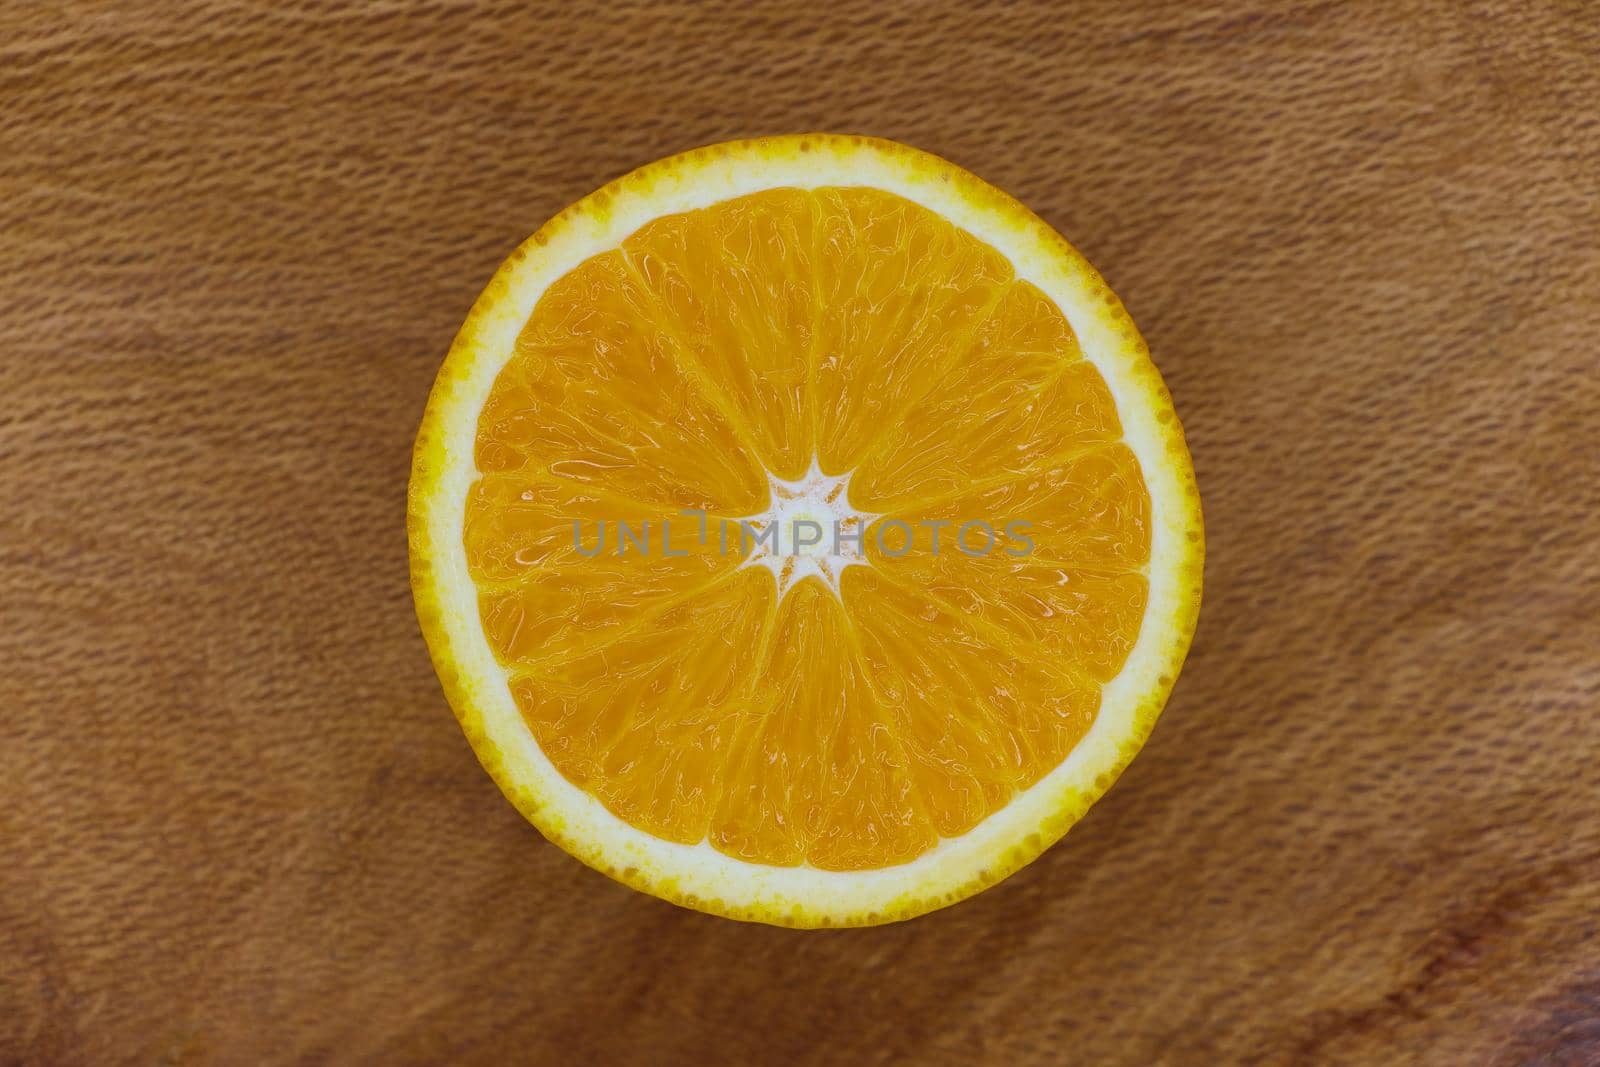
846, 724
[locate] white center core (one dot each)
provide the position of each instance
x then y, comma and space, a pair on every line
809, 528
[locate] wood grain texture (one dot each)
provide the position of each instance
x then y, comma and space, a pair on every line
240, 825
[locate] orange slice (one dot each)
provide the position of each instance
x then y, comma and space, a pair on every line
802, 533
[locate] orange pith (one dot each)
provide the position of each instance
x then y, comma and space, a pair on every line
849, 730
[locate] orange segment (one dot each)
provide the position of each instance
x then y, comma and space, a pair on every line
644, 721
736, 282
1068, 582
1021, 397
598, 392
820, 778
554, 572
902, 293
978, 718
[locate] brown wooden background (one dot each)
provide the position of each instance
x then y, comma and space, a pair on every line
240, 825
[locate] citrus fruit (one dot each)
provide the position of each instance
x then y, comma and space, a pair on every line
801, 532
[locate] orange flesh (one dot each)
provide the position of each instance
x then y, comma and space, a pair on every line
847, 730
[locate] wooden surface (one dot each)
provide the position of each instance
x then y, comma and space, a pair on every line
239, 824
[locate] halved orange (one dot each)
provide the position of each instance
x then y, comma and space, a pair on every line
851, 337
